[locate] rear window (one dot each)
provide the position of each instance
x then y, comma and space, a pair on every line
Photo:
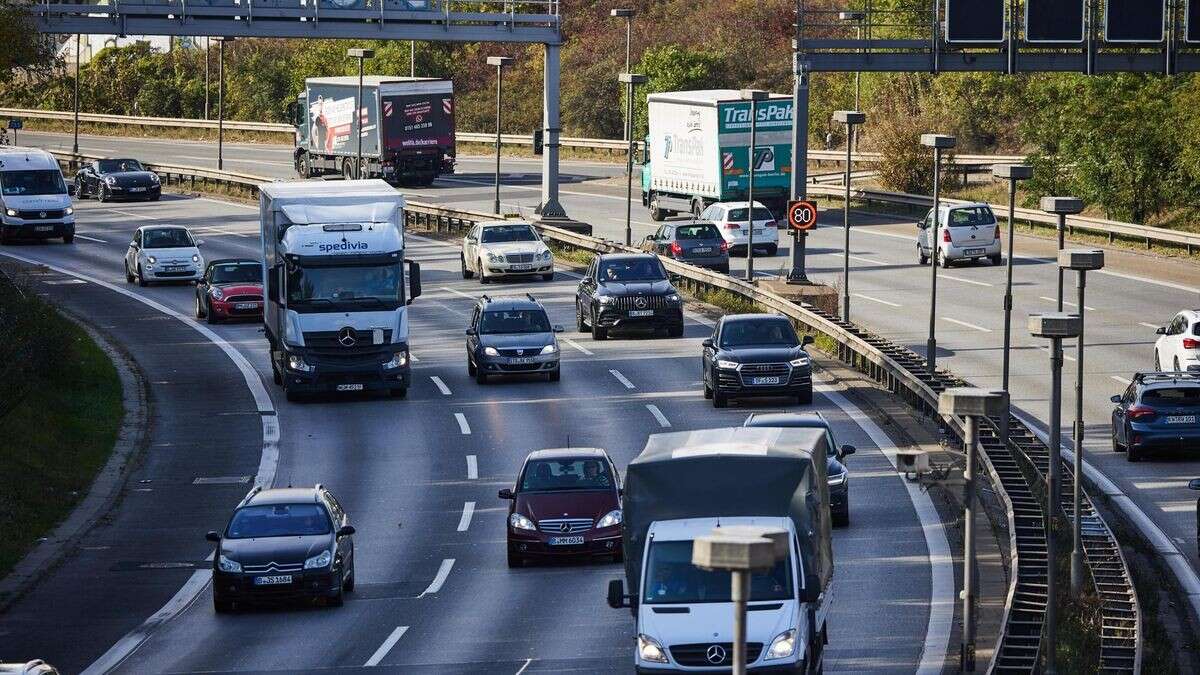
739, 215
973, 215
1172, 395
686, 232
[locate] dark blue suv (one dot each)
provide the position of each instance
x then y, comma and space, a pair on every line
1158, 411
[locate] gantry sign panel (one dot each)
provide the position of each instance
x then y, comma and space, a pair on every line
975, 21
1055, 21
1192, 34
1135, 21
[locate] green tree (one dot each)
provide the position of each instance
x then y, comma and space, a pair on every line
23, 50
675, 68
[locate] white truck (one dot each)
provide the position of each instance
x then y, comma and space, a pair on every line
683, 486
336, 309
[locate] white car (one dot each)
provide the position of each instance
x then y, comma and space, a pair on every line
505, 248
731, 219
163, 253
1178, 346
964, 233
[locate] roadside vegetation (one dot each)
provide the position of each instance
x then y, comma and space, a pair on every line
59, 417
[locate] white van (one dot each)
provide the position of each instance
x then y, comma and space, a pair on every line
34, 202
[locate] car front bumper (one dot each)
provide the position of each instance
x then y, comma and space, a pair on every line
230, 310
510, 365
505, 269
38, 229
537, 544
730, 383
618, 318
121, 192
307, 584
188, 272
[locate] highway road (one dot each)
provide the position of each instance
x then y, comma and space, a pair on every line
419, 479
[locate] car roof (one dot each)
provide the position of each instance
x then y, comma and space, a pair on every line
239, 261
787, 420
500, 223
627, 256
730, 318
510, 303
288, 495
162, 227
741, 205
968, 205
1165, 379
17, 158
567, 453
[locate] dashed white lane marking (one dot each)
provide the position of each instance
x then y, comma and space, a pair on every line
1122, 380
386, 647
1148, 325
622, 379
472, 467
523, 667
439, 579
965, 281
869, 261
1065, 303
462, 424
437, 381
882, 302
578, 346
84, 236
658, 415
458, 293
967, 325
464, 521
134, 215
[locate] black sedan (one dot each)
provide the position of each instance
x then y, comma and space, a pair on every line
756, 355
624, 290
108, 179
837, 474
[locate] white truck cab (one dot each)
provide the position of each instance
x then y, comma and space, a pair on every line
34, 202
965, 232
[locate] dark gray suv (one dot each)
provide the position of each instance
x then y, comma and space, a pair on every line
511, 336
698, 243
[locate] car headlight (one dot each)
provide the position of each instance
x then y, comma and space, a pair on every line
520, 522
154, 178
321, 560
610, 519
495, 257
605, 299
218, 294
783, 646
544, 255
151, 259
838, 478
549, 349
226, 565
195, 257
650, 650
674, 297
727, 364
799, 362
70, 211
10, 212
491, 351
399, 360
297, 363
110, 181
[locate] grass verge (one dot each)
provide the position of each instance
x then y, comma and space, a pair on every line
60, 433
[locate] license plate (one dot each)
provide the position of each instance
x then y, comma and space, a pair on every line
758, 231
764, 380
137, 189
44, 228
702, 249
246, 305
1181, 419
641, 312
566, 541
349, 387
273, 580
520, 360
974, 251
520, 268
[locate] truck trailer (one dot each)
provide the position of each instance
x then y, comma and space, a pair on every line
696, 152
688, 484
336, 305
407, 128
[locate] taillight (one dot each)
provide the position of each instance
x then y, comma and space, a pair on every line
732, 226
946, 236
1191, 343
997, 237
771, 223
676, 249
724, 247
1141, 413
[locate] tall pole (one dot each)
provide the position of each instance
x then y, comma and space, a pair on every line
499, 94
846, 220
740, 593
754, 96
630, 80
967, 650
78, 71
412, 58
931, 342
1054, 501
1012, 173
221, 104
799, 188
1077, 488
207, 86
357, 124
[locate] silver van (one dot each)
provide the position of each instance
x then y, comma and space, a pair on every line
34, 203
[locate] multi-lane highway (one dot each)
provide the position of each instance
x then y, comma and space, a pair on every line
419, 479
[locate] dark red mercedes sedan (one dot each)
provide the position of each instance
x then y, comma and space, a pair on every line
230, 289
567, 503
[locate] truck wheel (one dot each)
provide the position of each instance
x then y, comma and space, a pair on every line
364, 169
656, 213
697, 208
347, 169
302, 167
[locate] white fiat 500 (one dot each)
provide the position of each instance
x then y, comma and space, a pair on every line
163, 253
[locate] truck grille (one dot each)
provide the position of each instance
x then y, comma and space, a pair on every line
696, 655
40, 215
572, 525
628, 302
363, 339
519, 257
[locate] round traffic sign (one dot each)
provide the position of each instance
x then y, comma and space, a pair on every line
802, 215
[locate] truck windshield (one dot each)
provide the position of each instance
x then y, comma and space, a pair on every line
42, 182
349, 288
671, 578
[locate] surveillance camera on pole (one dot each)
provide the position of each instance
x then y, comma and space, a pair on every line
1061, 207
850, 118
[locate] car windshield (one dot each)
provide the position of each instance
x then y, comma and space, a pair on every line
553, 475
514, 321
765, 333
505, 234
672, 578
1185, 396
118, 165
46, 182
237, 273
972, 215
167, 238
739, 215
632, 269
685, 232
352, 287
278, 520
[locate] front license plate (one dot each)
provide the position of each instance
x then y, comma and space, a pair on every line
1181, 419
566, 541
520, 268
702, 249
641, 312
520, 360
273, 580
974, 251
349, 387
44, 228
765, 380
137, 189
246, 305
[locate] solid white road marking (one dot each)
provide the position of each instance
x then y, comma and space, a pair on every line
869, 261
133, 215
1121, 379
622, 379
965, 281
523, 667
462, 424
1066, 303
84, 236
658, 415
472, 467
386, 647
440, 578
578, 346
458, 293
967, 325
882, 302
440, 385
1144, 280
464, 521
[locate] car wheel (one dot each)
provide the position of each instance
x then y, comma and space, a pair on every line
209, 315
483, 278
548, 277
719, 400
348, 584
466, 273
102, 193
941, 260
79, 193
480, 377
580, 324
995, 259
805, 397
141, 278
398, 392
515, 561
598, 331
68, 238
1116, 445
1157, 363
339, 597
842, 518
675, 331
708, 392
199, 310
1132, 454
922, 259
555, 375
290, 394
470, 368
275, 376
128, 274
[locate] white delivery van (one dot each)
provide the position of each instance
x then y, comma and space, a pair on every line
34, 203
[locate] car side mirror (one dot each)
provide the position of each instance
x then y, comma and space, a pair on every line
707, 343
345, 531
559, 329
846, 451
812, 588
1161, 330
1194, 484
1115, 398
506, 493
199, 243
471, 332
807, 340
414, 281
213, 537
273, 284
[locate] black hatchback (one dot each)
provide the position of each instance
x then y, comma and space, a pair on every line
698, 243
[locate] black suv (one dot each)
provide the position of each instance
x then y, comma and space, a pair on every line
284, 544
511, 336
627, 290
755, 355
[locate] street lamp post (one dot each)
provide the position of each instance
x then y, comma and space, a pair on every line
1056, 327
938, 142
971, 404
500, 62
221, 100
1082, 261
357, 121
630, 80
753, 96
1061, 207
1012, 173
78, 70
857, 18
850, 118
627, 14
207, 86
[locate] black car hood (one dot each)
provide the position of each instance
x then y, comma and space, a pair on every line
517, 340
282, 550
761, 354
636, 288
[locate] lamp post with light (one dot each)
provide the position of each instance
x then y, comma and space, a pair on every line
500, 62
630, 80
851, 118
939, 143
1061, 207
357, 122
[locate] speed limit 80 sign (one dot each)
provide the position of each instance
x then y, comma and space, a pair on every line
802, 215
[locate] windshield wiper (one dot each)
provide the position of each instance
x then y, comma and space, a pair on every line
367, 298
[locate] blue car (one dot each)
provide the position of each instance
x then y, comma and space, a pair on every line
1158, 411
